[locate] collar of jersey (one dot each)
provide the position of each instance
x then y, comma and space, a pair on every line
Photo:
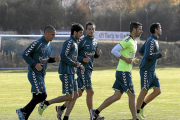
44, 40
73, 38
154, 37
88, 37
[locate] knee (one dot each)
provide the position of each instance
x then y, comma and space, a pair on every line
116, 97
158, 92
90, 92
69, 97
80, 93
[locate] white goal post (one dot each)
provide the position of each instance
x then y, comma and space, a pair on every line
21, 36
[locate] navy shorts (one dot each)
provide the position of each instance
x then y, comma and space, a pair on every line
149, 79
123, 82
84, 79
37, 82
69, 83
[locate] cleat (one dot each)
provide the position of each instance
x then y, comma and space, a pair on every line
42, 107
21, 114
142, 113
139, 116
59, 112
94, 116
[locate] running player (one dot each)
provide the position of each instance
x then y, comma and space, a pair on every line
37, 55
125, 51
150, 52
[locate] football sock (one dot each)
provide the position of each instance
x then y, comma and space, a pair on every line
32, 104
47, 103
63, 107
143, 105
138, 111
97, 111
65, 117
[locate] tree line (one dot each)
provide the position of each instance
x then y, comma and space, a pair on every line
30, 16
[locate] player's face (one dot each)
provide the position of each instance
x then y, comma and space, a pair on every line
50, 35
78, 34
90, 30
159, 31
139, 31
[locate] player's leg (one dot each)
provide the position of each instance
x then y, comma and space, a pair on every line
75, 96
132, 105
38, 90
156, 88
129, 88
86, 84
67, 83
116, 96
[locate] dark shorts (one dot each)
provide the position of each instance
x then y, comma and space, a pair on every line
69, 83
37, 82
84, 79
123, 82
149, 80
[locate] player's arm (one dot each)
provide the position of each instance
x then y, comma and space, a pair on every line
149, 52
54, 59
141, 50
116, 52
27, 54
98, 52
65, 52
80, 46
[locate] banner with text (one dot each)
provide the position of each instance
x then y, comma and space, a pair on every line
111, 35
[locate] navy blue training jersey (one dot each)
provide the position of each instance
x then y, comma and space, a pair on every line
38, 52
150, 52
87, 48
69, 55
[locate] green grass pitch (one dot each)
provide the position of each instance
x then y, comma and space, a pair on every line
15, 93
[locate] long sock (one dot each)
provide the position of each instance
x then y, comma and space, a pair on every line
65, 117
47, 103
97, 111
32, 104
138, 111
63, 107
143, 105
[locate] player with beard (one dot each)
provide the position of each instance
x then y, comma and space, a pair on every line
125, 51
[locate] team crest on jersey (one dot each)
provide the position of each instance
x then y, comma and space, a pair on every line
43, 60
43, 50
74, 56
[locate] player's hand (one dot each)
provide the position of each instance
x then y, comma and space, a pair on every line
39, 66
128, 60
82, 68
136, 60
163, 53
57, 58
98, 51
86, 60
78, 64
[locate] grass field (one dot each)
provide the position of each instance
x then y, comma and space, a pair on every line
15, 93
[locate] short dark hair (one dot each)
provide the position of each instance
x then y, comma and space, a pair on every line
76, 27
49, 28
154, 26
90, 23
135, 25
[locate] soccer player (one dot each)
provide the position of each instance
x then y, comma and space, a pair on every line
37, 55
125, 51
87, 51
67, 69
150, 52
